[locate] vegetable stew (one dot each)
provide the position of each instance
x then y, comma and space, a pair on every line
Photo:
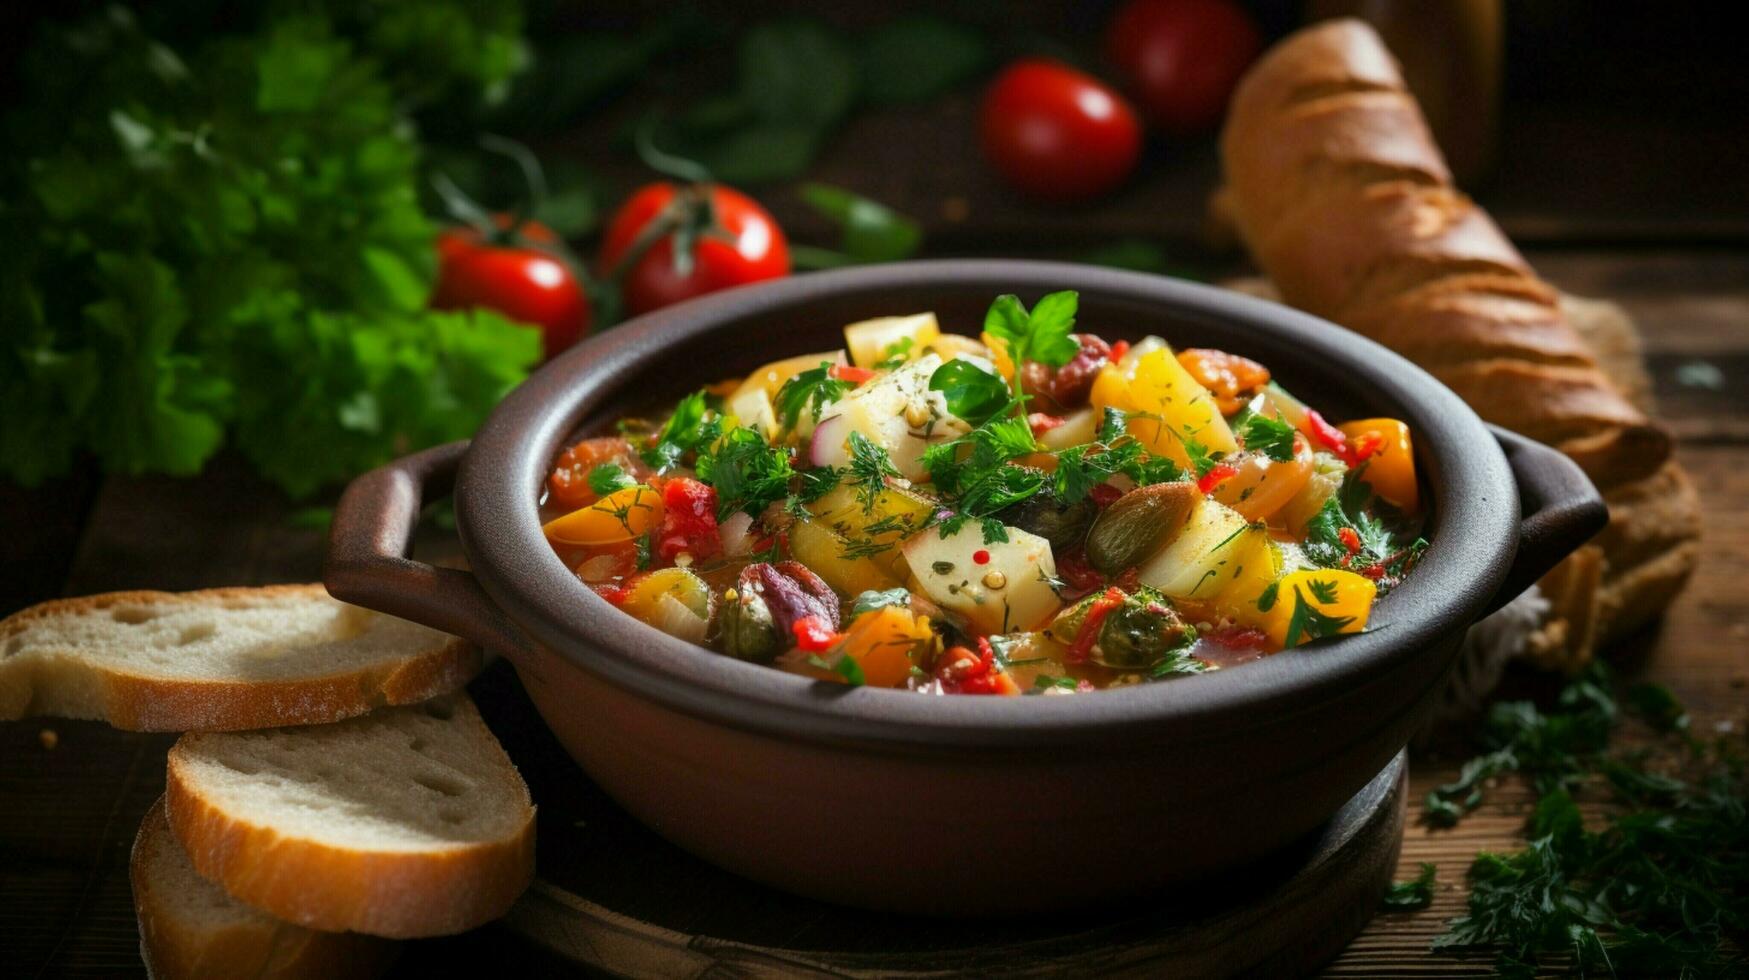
1036, 511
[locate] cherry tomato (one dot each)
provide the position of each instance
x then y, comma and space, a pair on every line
689, 520
515, 277
1057, 133
746, 245
1182, 58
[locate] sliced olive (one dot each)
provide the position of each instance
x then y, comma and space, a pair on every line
1137, 525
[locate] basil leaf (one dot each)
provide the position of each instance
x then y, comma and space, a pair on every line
972, 393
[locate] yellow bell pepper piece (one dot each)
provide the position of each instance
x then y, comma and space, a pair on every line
822, 549
883, 641
1341, 595
1168, 406
999, 356
1391, 470
620, 516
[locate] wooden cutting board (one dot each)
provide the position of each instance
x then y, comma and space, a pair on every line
615, 897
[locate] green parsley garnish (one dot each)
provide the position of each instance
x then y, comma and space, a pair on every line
846, 667
870, 466
1041, 335
1416, 893
811, 391
1311, 623
748, 473
607, 478
1270, 436
691, 426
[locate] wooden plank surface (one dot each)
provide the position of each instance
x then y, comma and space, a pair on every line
69, 812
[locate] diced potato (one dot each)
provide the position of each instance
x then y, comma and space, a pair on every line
751, 407
1155, 384
952, 345
1192, 566
870, 341
1009, 590
619, 516
1390, 471
1078, 428
821, 549
885, 643
1352, 597
897, 412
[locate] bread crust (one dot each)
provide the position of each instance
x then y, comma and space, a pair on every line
141, 702
399, 895
1346, 202
174, 946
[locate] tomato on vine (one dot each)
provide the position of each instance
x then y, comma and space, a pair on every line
510, 263
512, 270
670, 242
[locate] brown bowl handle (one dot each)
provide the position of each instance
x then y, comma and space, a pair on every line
1559, 511
368, 563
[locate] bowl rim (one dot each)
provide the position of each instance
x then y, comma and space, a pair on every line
1475, 505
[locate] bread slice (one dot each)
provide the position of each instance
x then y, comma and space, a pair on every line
189, 927
220, 659
406, 822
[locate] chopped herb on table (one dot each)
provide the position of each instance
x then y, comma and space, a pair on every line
1658, 885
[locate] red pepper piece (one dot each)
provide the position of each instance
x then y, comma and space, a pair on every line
981, 557
851, 373
1088, 634
1042, 423
689, 520
1350, 539
1216, 475
813, 634
963, 671
1327, 435
1365, 446
1118, 350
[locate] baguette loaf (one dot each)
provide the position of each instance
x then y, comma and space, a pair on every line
190, 928
220, 659
1344, 200
406, 822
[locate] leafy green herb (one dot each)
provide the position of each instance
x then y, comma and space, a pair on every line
1554, 748
1270, 436
1416, 893
1309, 623
869, 469
1201, 460
688, 428
971, 392
811, 390
223, 245
646, 549
607, 478
1177, 663
872, 232
748, 473
896, 354
846, 667
817, 483
1041, 335
1046, 682
872, 599
1081, 468
1382, 533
